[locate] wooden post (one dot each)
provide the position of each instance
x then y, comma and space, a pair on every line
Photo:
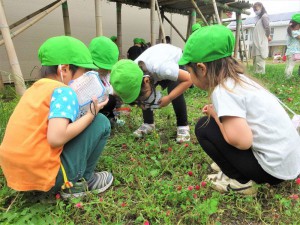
221, 14
66, 18
192, 21
172, 25
119, 28
160, 22
24, 19
189, 26
98, 15
160, 34
11, 52
198, 11
1, 82
171, 28
237, 33
193, 17
240, 51
216, 11
35, 20
244, 44
152, 17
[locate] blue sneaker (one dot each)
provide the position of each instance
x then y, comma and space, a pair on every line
99, 182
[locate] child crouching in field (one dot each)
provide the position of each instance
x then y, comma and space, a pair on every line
136, 82
105, 54
247, 132
45, 147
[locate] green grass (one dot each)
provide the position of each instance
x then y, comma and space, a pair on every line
151, 178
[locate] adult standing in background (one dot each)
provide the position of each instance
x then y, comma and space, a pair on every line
261, 37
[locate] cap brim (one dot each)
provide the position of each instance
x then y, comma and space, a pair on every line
103, 66
88, 66
183, 61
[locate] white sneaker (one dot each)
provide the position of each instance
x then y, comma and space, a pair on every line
183, 134
222, 183
145, 128
217, 176
214, 166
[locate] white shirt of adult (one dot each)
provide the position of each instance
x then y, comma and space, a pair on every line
161, 61
276, 143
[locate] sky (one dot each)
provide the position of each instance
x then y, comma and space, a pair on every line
278, 6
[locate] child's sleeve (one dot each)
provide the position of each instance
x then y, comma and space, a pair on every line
266, 24
228, 103
64, 104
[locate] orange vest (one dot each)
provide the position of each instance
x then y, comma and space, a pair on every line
27, 160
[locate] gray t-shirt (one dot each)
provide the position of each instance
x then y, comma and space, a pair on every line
161, 61
276, 143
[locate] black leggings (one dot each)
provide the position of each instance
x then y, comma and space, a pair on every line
108, 109
237, 164
178, 103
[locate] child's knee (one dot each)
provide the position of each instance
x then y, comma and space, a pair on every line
102, 123
200, 126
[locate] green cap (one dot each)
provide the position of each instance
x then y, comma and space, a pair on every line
196, 26
208, 44
126, 78
113, 38
137, 41
65, 50
296, 17
143, 41
105, 52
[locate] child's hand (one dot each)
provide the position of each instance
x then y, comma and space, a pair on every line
96, 106
209, 110
164, 101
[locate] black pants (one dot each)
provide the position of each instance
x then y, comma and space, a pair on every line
240, 165
108, 109
178, 103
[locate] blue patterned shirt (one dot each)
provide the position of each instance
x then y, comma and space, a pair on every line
64, 104
293, 43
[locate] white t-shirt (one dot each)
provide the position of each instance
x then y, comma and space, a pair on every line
106, 83
276, 143
161, 61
